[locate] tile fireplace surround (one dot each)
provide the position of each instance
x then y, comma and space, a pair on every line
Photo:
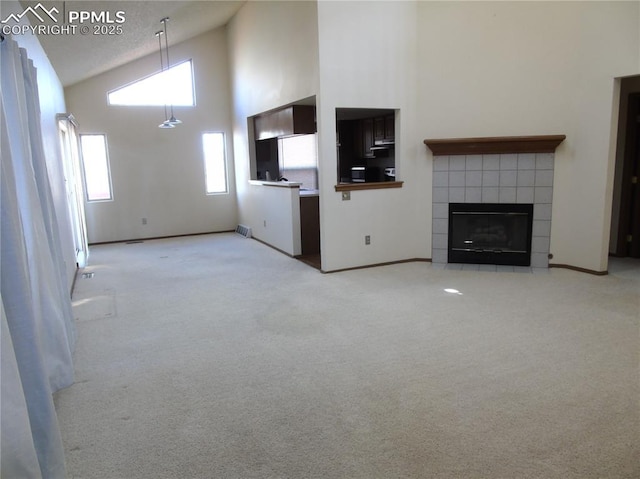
494, 170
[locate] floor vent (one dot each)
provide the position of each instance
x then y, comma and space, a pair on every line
244, 231
87, 275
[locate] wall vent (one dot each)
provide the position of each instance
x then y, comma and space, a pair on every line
244, 231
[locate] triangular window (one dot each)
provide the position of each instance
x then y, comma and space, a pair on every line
173, 86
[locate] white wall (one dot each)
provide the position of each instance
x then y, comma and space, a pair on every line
273, 53
368, 59
279, 208
52, 102
158, 174
534, 68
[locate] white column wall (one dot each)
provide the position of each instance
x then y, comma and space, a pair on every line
368, 60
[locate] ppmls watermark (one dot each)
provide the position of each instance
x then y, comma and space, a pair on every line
83, 22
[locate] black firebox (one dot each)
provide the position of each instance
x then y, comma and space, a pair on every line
490, 233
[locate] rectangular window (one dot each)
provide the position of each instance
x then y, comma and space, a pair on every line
95, 162
215, 167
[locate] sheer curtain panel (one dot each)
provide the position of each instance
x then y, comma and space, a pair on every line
38, 333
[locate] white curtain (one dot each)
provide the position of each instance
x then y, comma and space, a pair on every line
38, 333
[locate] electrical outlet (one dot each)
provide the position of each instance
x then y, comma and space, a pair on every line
346, 195
367, 239
144, 221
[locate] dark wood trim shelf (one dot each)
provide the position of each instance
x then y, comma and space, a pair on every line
495, 145
368, 186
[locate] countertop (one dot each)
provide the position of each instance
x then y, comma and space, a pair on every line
306, 193
286, 184
280, 184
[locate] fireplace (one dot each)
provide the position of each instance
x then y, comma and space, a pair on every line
489, 171
490, 233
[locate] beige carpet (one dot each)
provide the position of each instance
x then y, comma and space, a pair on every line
217, 357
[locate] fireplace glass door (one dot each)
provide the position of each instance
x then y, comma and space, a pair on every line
488, 233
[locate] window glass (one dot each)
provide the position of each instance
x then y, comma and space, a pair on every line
95, 163
173, 86
215, 167
299, 160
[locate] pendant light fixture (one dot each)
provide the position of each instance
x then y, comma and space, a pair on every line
173, 120
165, 123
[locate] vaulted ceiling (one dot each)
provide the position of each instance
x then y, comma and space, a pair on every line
79, 56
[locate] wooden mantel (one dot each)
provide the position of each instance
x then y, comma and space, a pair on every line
495, 145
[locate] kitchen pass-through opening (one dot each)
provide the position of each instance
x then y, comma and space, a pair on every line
490, 233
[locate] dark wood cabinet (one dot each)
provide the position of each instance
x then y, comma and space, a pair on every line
383, 130
348, 149
267, 159
310, 224
363, 139
379, 129
389, 128
368, 137
292, 120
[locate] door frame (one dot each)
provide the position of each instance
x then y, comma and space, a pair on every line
70, 151
628, 210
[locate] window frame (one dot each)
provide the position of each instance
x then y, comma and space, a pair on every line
84, 168
225, 165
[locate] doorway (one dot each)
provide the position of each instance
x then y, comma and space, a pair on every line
67, 129
625, 226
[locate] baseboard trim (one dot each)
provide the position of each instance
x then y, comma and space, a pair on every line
580, 270
73, 283
139, 240
410, 260
273, 247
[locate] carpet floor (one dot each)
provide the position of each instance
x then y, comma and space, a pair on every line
215, 356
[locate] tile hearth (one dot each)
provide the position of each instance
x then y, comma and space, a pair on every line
490, 268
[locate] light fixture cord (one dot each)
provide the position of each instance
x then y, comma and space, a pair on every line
166, 117
166, 48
